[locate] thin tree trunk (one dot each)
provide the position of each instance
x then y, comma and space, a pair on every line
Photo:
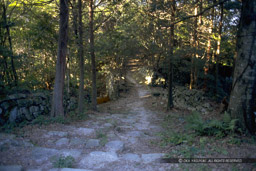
209, 46
81, 61
94, 87
193, 67
57, 100
14, 73
242, 103
218, 50
170, 78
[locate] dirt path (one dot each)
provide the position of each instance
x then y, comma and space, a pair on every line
119, 138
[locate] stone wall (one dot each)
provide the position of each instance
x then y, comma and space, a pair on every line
16, 108
194, 100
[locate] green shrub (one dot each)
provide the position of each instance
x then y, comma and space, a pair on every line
64, 162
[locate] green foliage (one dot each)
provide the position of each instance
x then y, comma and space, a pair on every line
74, 116
102, 136
176, 138
213, 127
184, 151
46, 120
64, 162
10, 127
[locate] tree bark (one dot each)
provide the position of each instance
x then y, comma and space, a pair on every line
218, 49
57, 100
209, 46
242, 103
170, 78
195, 44
81, 61
94, 85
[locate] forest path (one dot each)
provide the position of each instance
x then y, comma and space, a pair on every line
121, 137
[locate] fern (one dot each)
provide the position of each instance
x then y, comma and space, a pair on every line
217, 128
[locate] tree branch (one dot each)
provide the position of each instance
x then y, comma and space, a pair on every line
200, 13
98, 26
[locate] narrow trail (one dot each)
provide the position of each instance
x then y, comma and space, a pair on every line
120, 140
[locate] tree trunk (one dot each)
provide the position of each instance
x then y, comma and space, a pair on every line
81, 61
14, 73
242, 103
195, 43
170, 78
94, 86
57, 100
209, 46
218, 50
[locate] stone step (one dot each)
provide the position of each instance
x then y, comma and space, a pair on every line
11, 168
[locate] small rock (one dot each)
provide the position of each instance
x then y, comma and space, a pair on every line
131, 157
62, 141
11, 168
56, 133
16, 96
24, 111
33, 109
148, 158
97, 159
91, 143
115, 146
13, 114
84, 131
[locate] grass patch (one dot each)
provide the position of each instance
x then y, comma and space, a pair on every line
102, 137
64, 162
74, 116
11, 127
46, 120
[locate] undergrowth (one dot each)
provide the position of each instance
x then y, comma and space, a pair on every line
196, 133
214, 127
63, 162
102, 136
44, 120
